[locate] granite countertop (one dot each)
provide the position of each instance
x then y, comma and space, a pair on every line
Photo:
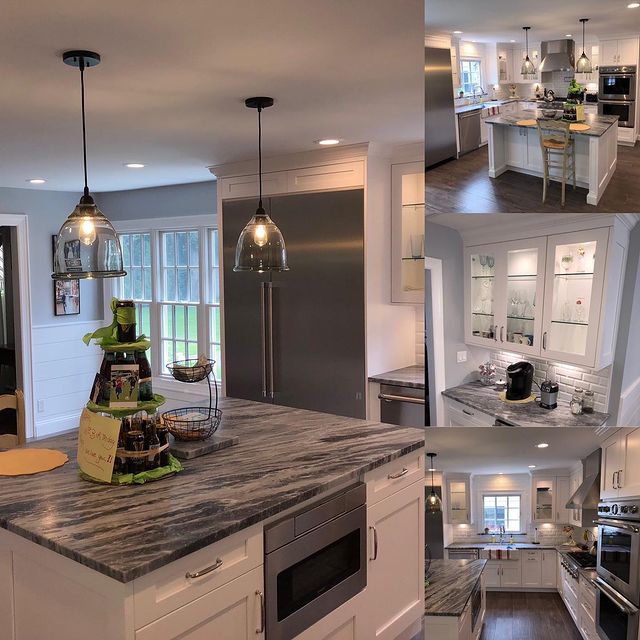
599, 124
484, 545
588, 573
451, 584
487, 400
412, 376
475, 106
284, 457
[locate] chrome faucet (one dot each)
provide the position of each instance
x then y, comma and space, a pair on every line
478, 97
502, 533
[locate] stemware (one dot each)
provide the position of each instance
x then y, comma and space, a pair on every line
491, 261
566, 261
483, 264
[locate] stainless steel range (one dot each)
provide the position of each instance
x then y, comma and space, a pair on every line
618, 568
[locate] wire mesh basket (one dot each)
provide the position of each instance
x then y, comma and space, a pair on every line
192, 423
193, 370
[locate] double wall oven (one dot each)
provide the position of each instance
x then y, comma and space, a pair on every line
618, 580
617, 95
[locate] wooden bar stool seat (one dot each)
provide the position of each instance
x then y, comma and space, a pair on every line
11, 401
556, 141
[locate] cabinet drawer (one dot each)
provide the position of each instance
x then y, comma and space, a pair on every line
168, 588
249, 186
330, 176
460, 415
397, 474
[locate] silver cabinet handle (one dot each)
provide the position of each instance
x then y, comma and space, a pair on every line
467, 412
544, 340
501, 334
495, 332
260, 629
617, 524
375, 543
395, 476
203, 572
613, 480
388, 397
619, 481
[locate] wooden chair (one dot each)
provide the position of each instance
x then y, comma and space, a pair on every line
10, 401
555, 139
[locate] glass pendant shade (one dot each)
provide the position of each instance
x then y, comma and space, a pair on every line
433, 502
527, 67
87, 245
584, 64
261, 246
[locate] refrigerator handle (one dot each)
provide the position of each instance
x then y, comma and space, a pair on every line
270, 338
263, 340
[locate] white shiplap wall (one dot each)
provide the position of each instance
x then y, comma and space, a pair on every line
63, 372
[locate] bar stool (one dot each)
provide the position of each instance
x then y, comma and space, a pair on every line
11, 401
555, 140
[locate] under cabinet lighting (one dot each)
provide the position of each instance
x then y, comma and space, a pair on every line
135, 165
568, 35
542, 445
36, 181
457, 32
327, 142
633, 5
532, 466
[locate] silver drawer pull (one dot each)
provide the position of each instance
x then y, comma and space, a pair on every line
390, 398
467, 412
395, 476
375, 543
260, 629
198, 574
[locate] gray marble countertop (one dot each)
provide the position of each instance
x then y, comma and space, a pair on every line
588, 573
599, 124
475, 106
487, 400
284, 457
484, 545
412, 376
451, 584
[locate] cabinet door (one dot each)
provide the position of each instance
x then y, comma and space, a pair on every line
458, 499
344, 623
511, 574
548, 569
610, 465
395, 580
232, 611
543, 495
609, 52
524, 293
515, 143
534, 151
465, 631
484, 295
491, 574
531, 569
460, 415
629, 477
573, 292
628, 51
563, 515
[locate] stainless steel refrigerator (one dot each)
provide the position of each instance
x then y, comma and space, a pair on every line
297, 338
440, 124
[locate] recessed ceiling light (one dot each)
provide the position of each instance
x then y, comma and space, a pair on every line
532, 466
633, 5
457, 32
327, 142
135, 165
501, 473
36, 181
542, 445
430, 469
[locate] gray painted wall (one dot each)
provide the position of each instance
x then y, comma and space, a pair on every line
46, 211
160, 202
446, 244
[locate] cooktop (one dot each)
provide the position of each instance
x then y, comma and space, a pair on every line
583, 559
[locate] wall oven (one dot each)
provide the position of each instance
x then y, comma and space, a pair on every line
618, 568
617, 83
624, 109
315, 560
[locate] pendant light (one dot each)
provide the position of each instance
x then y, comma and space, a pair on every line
433, 502
260, 245
527, 65
584, 64
87, 245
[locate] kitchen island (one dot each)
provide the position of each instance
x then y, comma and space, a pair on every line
111, 562
514, 147
454, 599
483, 403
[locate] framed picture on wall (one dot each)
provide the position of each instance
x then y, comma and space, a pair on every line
66, 294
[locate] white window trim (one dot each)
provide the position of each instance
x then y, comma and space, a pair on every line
513, 492
163, 382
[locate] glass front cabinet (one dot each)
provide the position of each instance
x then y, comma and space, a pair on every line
458, 494
555, 297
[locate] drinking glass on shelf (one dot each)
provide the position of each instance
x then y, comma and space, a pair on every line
483, 264
567, 261
580, 310
566, 312
491, 261
417, 241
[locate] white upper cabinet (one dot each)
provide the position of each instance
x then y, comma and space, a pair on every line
620, 472
458, 488
619, 52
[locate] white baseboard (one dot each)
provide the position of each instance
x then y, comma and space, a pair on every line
629, 411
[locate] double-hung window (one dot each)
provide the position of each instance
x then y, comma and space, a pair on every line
502, 510
470, 75
173, 277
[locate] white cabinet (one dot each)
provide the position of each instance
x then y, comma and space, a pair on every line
550, 493
587, 609
407, 233
465, 629
232, 611
548, 568
500, 574
457, 414
396, 541
458, 492
620, 473
344, 623
619, 52
539, 568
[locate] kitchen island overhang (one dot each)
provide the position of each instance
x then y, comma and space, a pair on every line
514, 147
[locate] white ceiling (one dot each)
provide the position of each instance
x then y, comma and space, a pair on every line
502, 20
509, 449
170, 90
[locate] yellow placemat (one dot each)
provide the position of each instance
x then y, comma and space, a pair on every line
503, 397
577, 126
23, 462
526, 123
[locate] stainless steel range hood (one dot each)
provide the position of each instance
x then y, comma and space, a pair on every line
558, 55
587, 495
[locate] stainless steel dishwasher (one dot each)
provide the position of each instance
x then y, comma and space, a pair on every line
469, 130
404, 406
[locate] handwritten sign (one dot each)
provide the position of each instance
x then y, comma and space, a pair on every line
97, 444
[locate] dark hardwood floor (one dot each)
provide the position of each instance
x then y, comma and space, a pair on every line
464, 186
527, 616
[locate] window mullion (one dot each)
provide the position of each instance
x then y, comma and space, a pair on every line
156, 295
203, 312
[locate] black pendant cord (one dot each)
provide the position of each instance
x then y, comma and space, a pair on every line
84, 127
260, 155
583, 26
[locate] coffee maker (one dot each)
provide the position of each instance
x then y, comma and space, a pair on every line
519, 380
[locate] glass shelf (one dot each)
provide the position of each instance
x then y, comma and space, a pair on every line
478, 313
578, 324
418, 258
413, 204
478, 277
522, 275
520, 318
573, 275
